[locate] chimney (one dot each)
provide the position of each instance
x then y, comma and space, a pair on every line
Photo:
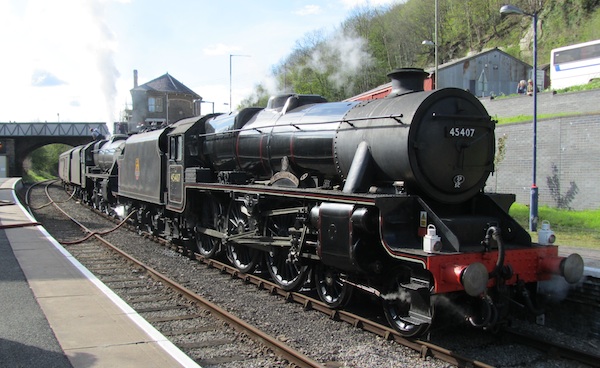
135, 82
407, 80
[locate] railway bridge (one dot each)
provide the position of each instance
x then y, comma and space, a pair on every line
18, 140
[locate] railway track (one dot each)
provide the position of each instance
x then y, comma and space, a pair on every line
190, 321
151, 305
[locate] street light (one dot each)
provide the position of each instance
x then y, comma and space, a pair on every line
431, 43
533, 205
230, 57
434, 43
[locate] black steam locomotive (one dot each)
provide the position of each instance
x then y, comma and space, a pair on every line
384, 196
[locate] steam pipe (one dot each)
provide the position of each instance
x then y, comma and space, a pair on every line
494, 233
527, 300
490, 314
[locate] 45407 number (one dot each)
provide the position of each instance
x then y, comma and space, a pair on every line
461, 132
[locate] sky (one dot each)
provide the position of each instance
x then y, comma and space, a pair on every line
73, 60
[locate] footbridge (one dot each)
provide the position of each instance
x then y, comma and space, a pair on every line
18, 140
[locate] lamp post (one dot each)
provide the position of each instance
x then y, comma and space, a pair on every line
431, 43
434, 43
230, 83
533, 204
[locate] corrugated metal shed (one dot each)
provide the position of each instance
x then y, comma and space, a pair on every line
490, 72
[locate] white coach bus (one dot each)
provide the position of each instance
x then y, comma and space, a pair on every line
575, 64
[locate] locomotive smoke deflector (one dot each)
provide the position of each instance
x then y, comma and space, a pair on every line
407, 80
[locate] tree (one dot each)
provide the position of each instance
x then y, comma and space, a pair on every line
373, 41
43, 162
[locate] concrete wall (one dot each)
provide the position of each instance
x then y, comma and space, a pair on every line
571, 144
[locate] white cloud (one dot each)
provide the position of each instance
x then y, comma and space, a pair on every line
308, 10
349, 4
62, 59
43, 78
219, 49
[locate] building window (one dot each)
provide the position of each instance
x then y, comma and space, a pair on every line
155, 104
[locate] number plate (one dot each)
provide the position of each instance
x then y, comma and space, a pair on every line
461, 132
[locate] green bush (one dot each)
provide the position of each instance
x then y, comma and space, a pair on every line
44, 163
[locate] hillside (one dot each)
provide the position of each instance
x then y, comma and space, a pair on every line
373, 41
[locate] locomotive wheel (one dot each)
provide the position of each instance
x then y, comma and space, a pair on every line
397, 306
242, 257
210, 218
285, 268
331, 289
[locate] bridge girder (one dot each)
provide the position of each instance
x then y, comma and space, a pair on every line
21, 139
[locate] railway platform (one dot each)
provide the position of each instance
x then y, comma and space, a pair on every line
55, 313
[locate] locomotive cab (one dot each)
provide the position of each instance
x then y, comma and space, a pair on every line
186, 160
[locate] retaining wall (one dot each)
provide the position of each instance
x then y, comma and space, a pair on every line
571, 144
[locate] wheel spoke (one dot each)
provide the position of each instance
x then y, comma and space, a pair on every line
243, 258
331, 289
212, 213
286, 268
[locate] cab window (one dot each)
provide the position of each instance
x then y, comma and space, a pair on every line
176, 148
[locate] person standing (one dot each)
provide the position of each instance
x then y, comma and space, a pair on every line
530, 88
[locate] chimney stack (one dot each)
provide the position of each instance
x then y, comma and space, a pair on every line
406, 80
135, 79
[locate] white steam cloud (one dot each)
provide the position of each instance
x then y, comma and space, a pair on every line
400, 295
342, 55
556, 289
104, 51
59, 54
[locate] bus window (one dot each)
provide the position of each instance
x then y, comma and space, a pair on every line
575, 64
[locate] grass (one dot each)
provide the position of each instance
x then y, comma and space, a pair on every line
34, 177
572, 228
594, 84
521, 118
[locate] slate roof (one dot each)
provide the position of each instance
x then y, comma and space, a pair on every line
166, 84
